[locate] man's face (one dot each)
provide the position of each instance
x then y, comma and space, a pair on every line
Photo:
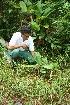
25, 36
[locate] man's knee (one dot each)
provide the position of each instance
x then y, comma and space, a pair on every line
15, 53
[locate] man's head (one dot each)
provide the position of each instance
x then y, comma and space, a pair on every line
25, 32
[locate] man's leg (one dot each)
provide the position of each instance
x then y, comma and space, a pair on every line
14, 53
27, 55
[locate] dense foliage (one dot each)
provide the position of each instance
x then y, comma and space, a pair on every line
51, 25
47, 82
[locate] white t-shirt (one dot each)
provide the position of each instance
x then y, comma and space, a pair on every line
17, 39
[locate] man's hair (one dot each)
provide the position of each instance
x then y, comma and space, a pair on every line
25, 29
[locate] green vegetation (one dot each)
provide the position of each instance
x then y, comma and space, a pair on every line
48, 82
43, 84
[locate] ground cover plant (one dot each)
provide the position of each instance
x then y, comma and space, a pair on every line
42, 84
47, 82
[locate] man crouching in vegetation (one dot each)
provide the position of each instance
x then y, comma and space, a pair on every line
18, 44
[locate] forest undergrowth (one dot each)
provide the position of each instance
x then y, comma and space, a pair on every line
45, 83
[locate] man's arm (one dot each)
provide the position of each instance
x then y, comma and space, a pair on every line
10, 47
32, 53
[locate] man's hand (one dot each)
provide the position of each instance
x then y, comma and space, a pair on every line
24, 46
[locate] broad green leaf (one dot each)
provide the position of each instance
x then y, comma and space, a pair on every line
35, 25
66, 5
16, 6
47, 10
52, 65
34, 38
39, 5
44, 60
42, 17
46, 26
29, 66
10, 10
41, 36
23, 6
2, 41
27, 2
37, 57
43, 71
53, 45
48, 66
5, 20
